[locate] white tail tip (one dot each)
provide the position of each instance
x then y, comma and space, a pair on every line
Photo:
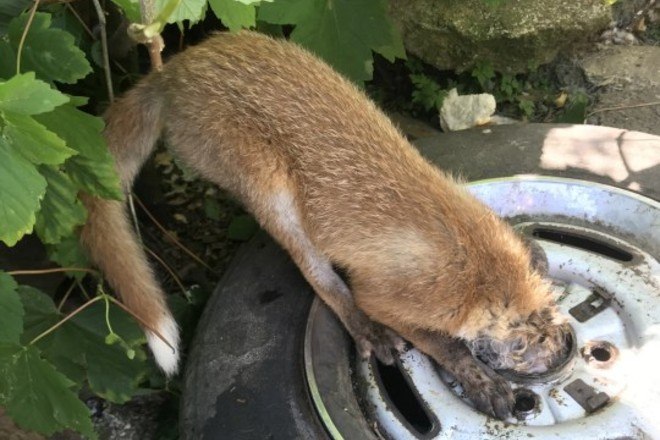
167, 357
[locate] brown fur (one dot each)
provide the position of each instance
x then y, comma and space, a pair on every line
328, 175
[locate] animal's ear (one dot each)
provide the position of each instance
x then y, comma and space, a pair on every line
539, 259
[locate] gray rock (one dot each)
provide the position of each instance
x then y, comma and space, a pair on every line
467, 111
512, 35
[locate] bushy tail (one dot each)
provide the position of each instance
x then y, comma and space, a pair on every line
133, 127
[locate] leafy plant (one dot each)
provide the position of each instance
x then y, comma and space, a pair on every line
51, 151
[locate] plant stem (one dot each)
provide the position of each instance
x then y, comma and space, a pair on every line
53, 270
65, 319
104, 49
19, 52
170, 236
168, 269
141, 321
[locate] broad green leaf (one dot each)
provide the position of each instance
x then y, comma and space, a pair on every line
69, 253
242, 227
33, 141
8, 57
50, 52
93, 167
343, 32
21, 189
80, 343
28, 96
11, 310
234, 14
131, 9
40, 312
8, 10
61, 211
192, 10
37, 396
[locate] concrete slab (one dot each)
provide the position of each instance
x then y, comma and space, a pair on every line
629, 77
624, 158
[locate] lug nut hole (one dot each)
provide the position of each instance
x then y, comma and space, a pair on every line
526, 402
599, 353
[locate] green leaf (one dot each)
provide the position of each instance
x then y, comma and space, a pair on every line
8, 10
212, 208
11, 310
80, 342
61, 211
93, 167
242, 227
50, 52
343, 32
21, 189
192, 10
131, 9
37, 396
33, 141
8, 57
69, 253
28, 96
40, 312
234, 14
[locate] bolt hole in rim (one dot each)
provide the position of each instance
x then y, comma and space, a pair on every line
603, 245
526, 403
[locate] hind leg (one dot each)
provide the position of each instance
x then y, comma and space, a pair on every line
282, 219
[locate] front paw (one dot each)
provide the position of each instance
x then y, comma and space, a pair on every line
489, 393
372, 337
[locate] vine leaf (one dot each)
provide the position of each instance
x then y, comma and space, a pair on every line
234, 14
37, 396
21, 189
78, 347
69, 253
61, 211
11, 310
192, 10
343, 32
92, 169
33, 141
9, 10
50, 52
26, 95
131, 9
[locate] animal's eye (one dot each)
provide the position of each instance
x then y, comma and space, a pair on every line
541, 339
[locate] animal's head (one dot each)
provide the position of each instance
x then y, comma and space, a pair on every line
526, 333
533, 344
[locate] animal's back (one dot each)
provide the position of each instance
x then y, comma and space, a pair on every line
274, 108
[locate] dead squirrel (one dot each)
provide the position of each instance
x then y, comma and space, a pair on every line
329, 176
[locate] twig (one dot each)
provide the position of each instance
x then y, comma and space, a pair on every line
622, 107
156, 45
170, 236
83, 290
65, 319
136, 224
66, 296
141, 321
167, 268
53, 270
104, 49
79, 18
19, 51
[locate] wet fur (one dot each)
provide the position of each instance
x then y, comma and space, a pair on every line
329, 176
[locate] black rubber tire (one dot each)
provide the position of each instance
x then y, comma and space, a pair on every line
245, 377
